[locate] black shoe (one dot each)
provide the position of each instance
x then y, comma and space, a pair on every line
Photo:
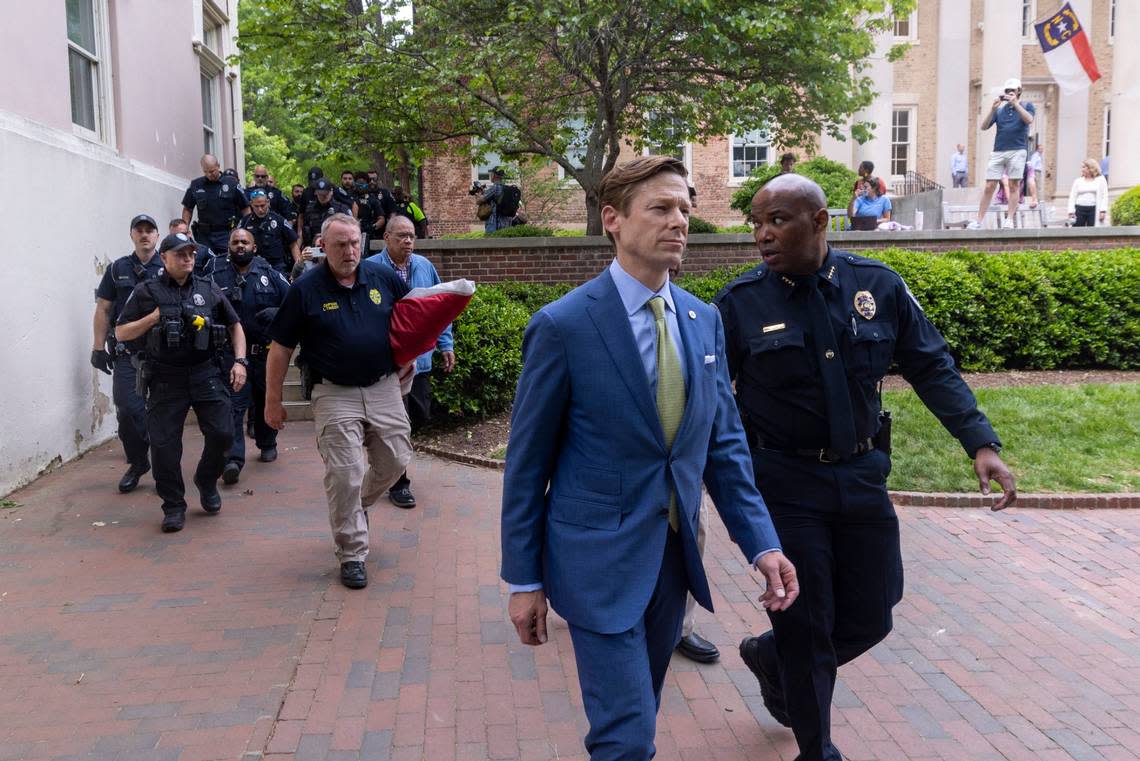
211, 500
231, 473
353, 574
172, 522
697, 648
131, 478
268, 455
770, 689
402, 498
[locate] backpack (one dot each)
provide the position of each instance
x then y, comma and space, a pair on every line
509, 203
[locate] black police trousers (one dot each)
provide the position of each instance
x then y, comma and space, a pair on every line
171, 397
130, 410
838, 527
417, 403
251, 398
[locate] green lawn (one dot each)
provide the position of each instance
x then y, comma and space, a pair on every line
1057, 439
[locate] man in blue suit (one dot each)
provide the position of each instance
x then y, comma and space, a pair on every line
624, 406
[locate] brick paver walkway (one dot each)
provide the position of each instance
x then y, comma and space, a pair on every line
234, 640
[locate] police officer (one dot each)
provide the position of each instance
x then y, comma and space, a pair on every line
346, 193
277, 200
339, 313
203, 256
110, 356
179, 321
255, 290
276, 241
296, 205
220, 202
322, 206
370, 212
809, 335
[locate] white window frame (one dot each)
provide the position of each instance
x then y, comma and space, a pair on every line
1106, 136
912, 28
100, 59
1112, 4
477, 169
1028, 19
214, 83
734, 179
686, 154
912, 122
573, 151
213, 65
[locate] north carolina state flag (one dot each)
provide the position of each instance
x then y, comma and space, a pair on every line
1067, 51
419, 317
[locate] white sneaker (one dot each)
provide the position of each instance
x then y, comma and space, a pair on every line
973, 224
1007, 224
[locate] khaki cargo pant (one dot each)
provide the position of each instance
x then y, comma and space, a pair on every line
353, 422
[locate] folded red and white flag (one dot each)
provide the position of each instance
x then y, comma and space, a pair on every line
419, 317
1067, 51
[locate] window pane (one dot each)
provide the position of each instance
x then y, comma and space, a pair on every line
749, 151
81, 24
902, 26
900, 142
82, 74
207, 101
491, 159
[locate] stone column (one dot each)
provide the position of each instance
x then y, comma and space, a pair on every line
1124, 147
878, 149
1001, 59
952, 121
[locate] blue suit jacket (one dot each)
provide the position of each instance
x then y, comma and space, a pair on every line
588, 475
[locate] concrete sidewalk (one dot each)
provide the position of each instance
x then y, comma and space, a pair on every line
234, 640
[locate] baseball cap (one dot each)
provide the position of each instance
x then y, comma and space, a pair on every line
140, 218
1013, 83
174, 241
323, 184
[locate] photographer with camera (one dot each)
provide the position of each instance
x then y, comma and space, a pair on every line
498, 202
176, 326
1011, 145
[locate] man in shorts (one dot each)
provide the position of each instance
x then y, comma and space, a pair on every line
1011, 142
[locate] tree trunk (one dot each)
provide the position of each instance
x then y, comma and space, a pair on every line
593, 213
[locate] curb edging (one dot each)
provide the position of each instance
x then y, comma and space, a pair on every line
1115, 501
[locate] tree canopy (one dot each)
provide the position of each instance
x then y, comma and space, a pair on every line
569, 80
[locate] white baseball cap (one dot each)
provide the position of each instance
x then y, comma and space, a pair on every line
1013, 83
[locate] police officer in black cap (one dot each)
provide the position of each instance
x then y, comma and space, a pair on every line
179, 323
322, 206
220, 202
276, 241
255, 290
809, 335
110, 356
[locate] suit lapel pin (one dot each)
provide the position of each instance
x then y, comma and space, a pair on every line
692, 315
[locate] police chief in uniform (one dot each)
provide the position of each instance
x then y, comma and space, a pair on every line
111, 356
320, 207
255, 290
809, 335
220, 202
180, 322
339, 313
277, 243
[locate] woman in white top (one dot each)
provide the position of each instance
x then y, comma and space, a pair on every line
1088, 199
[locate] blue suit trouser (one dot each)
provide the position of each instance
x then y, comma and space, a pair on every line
621, 674
839, 528
130, 411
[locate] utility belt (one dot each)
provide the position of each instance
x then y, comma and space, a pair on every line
162, 370
204, 228
880, 441
258, 350
310, 378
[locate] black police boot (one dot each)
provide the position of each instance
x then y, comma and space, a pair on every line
766, 673
353, 574
130, 479
268, 455
211, 500
231, 473
697, 648
173, 521
402, 498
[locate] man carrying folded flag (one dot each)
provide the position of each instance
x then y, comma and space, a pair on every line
1067, 51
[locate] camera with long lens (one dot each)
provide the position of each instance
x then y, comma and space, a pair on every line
476, 189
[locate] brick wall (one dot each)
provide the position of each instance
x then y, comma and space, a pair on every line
575, 260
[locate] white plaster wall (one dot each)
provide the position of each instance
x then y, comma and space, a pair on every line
54, 405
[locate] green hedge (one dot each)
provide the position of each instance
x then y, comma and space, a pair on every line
1126, 209
834, 178
1018, 310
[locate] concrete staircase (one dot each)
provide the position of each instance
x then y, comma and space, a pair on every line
296, 408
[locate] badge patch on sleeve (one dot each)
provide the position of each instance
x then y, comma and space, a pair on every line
865, 304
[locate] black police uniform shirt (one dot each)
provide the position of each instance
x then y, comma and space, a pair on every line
772, 357
219, 202
120, 279
370, 209
315, 214
261, 287
343, 332
166, 290
344, 196
272, 233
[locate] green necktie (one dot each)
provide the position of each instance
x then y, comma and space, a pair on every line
670, 390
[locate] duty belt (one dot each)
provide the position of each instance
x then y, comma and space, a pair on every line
258, 350
824, 454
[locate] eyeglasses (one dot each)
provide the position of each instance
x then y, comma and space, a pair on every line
403, 236
261, 176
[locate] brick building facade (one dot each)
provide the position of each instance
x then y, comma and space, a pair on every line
934, 97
